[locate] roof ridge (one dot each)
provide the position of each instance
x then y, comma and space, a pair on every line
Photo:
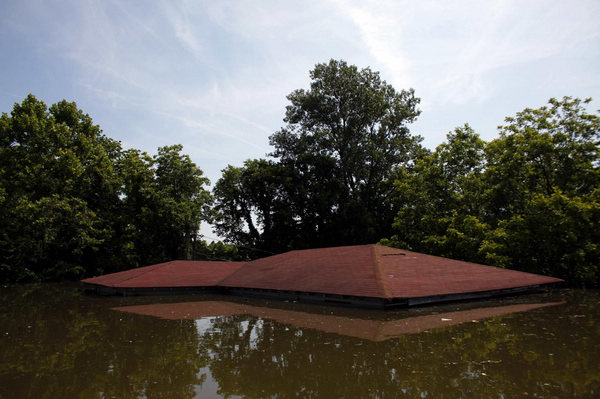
379, 278
160, 265
238, 270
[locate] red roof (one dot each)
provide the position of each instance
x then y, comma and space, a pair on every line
179, 273
377, 272
340, 271
411, 274
362, 271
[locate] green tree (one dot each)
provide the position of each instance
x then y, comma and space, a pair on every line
58, 189
134, 241
527, 200
541, 192
331, 180
183, 202
355, 123
542, 151
438, 199
252, 207
163, 201
219, 251
73, 203
555, 235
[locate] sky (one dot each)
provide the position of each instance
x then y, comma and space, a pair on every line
214, 75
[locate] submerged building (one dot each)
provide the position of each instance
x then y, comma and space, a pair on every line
363, 275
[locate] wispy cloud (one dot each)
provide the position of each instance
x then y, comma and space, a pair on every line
208, 125
179, 15
452, 47
214, 74
378, 23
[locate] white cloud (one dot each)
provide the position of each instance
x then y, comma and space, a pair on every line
451, 48
179, 15
380, 26
221, 70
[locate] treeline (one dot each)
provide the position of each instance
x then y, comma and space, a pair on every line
74, 203
345, 170
528, 200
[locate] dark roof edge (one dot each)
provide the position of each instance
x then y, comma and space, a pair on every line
315, 297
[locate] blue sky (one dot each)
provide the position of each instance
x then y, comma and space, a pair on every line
213, 75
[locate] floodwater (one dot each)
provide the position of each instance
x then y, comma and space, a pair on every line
57, 342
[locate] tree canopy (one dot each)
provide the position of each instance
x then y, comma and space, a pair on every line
74, 203
331, 177
528, 200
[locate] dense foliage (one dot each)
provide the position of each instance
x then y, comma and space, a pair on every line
331, 181
528, 200
74, 203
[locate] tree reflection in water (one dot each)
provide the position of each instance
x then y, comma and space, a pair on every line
508, 356
56, 343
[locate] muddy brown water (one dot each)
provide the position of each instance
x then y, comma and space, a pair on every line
57, 342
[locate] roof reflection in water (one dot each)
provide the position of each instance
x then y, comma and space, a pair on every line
373, 330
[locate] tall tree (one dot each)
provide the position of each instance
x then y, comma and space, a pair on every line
183, 202
344, 138
73, 203
58, 190
542, 151
359, 123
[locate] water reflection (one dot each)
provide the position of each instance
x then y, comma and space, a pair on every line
57, 343
373, 330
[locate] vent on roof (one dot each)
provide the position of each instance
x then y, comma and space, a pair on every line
400, 254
